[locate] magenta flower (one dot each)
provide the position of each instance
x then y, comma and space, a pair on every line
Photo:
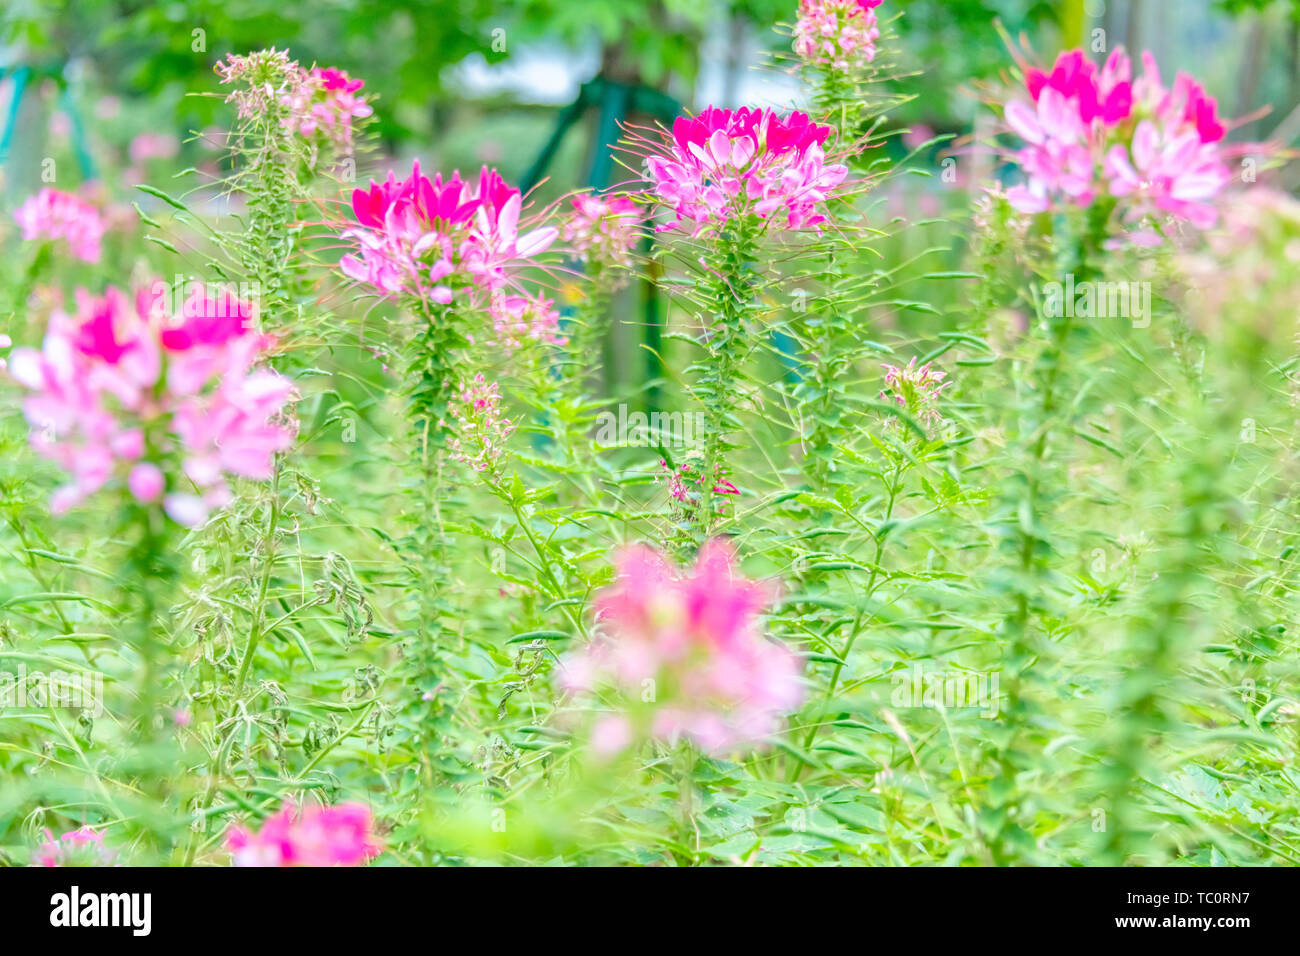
1074, 109
52, 214
169, 405
1107, 95
837, 33
604, 231
723, 165
1186, 106
1092, 132
685, 484
81, 847
341, 835
434, 239
688, 653
325, 101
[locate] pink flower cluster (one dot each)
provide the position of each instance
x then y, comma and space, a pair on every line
915, 389
723, 165
326, 102
837, 33
52, 214
437, 238
266, 78
320, 101
172, 402
149, 146
604, 231
146, 147
81, 847
519, 317
480, 433
686, 483
690, 649
1091, 132
341, 835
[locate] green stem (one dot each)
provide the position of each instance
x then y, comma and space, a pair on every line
256, 632
731, 294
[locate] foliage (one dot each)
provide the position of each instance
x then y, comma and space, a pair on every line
1034, 562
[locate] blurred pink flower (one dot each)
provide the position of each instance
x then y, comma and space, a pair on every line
1092, 132
722, 164
916, 389
917, 136
690, 647
1107, 95
81, 847
114, 372
1058, 159
148, 146
52, 214
603, 230
108, 107
519, 317
341, 835
1178, 175
837, 33
1186, 106
326, 102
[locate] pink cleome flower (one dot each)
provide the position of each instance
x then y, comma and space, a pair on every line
81, 847
837, 33
52, 214
322, 101
723, 165
519, 317
1174, 163
436, 238
341, 835
266, 79
326, 102
695, 640
479, 436
604, 230
1091, 132
170, 403
685, 483
916, 389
